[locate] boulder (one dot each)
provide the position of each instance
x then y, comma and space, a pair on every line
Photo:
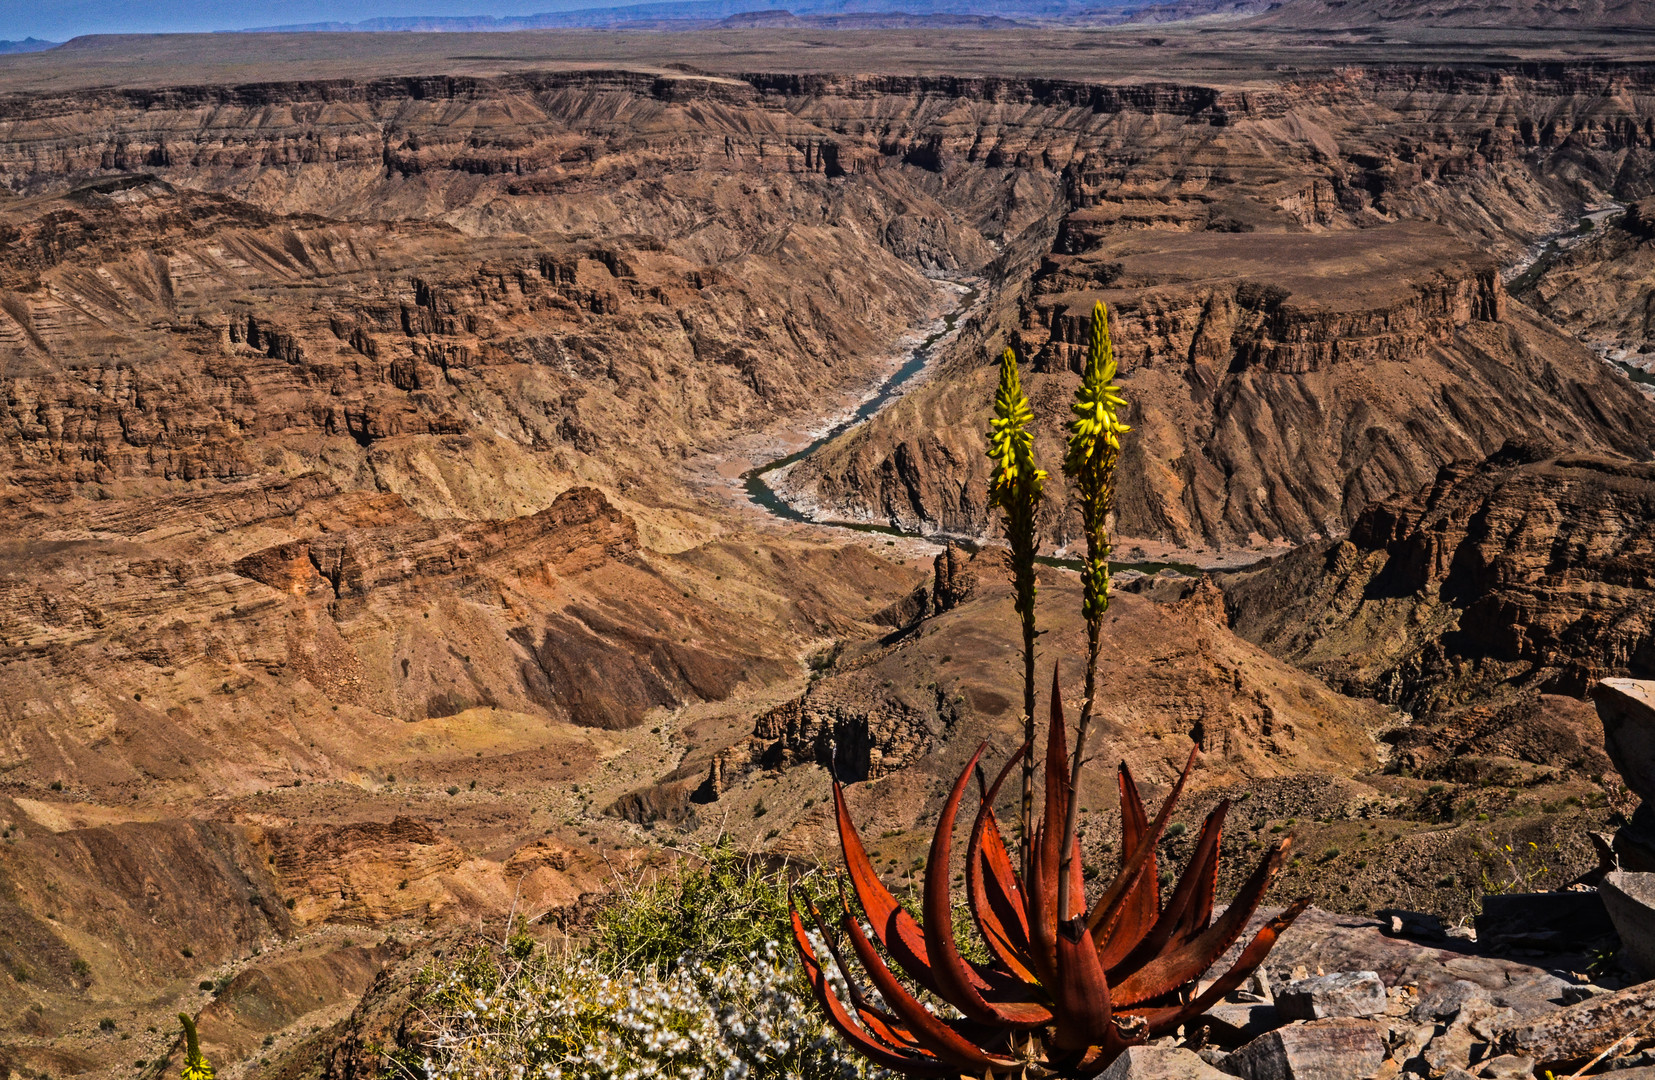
1344, 993
1627, 709
1335, 1049
1445, 1002
1468, 1039
1159, 1063
1408, 1044
1550, 920
1237, 1023
1579, 1032
1630, 900
1507, 1067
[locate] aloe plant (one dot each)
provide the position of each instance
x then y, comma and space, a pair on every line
1069, 985
1067, 988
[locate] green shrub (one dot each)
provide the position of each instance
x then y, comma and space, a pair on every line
567, 1017
719, 907
684, 976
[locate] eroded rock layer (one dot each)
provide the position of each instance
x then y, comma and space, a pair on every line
1523, 571
1296, 339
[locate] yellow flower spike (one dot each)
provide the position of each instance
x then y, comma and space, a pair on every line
1098, 401
1009, 442
1089, 463
196, 1067
1015, 487
1094, 447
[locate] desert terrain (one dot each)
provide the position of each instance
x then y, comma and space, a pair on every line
378, 563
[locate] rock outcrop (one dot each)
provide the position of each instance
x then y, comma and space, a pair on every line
365, 872
1527, 570
1176, 674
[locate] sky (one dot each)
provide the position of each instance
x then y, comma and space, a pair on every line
59, 20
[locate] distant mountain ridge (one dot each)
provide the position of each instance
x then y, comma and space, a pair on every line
899, 14
830, 14
1549, 14
27, 45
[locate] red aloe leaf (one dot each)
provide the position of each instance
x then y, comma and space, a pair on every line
1080, 996
995, 897
1185, 906
880, 1024
1171, 970
847, 1027
1198, 916
928, 1030
892, 925
955, 979
1143, 900
1043, 916
1108, 910
1161, 1021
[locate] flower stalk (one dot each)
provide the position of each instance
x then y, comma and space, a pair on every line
1015, 487
1089, 464
196, 1067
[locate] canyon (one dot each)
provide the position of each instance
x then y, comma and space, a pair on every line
365, 576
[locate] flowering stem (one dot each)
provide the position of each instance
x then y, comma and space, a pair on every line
1015, 487
1024, 563
1093, 452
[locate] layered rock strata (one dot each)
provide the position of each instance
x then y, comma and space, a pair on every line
1527, 570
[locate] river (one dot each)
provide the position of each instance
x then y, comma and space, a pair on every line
920, 363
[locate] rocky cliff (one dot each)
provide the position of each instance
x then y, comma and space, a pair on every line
1525, 571
1602, 286
1297, 339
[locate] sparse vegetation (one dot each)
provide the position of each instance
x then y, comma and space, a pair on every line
682, 978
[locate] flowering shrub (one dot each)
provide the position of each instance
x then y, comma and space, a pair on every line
682, 979
567, 1017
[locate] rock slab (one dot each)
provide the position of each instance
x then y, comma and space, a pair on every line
1159, 1063
1335, 1049
1581, 1031
1630, 900
1344, 993
1627, 709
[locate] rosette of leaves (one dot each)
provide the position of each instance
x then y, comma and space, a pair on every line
1068, 987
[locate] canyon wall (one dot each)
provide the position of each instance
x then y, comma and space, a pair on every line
1307, 305
1527, 571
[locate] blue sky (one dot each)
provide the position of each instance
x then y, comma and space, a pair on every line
59, 20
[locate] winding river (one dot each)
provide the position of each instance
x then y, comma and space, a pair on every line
919, 362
